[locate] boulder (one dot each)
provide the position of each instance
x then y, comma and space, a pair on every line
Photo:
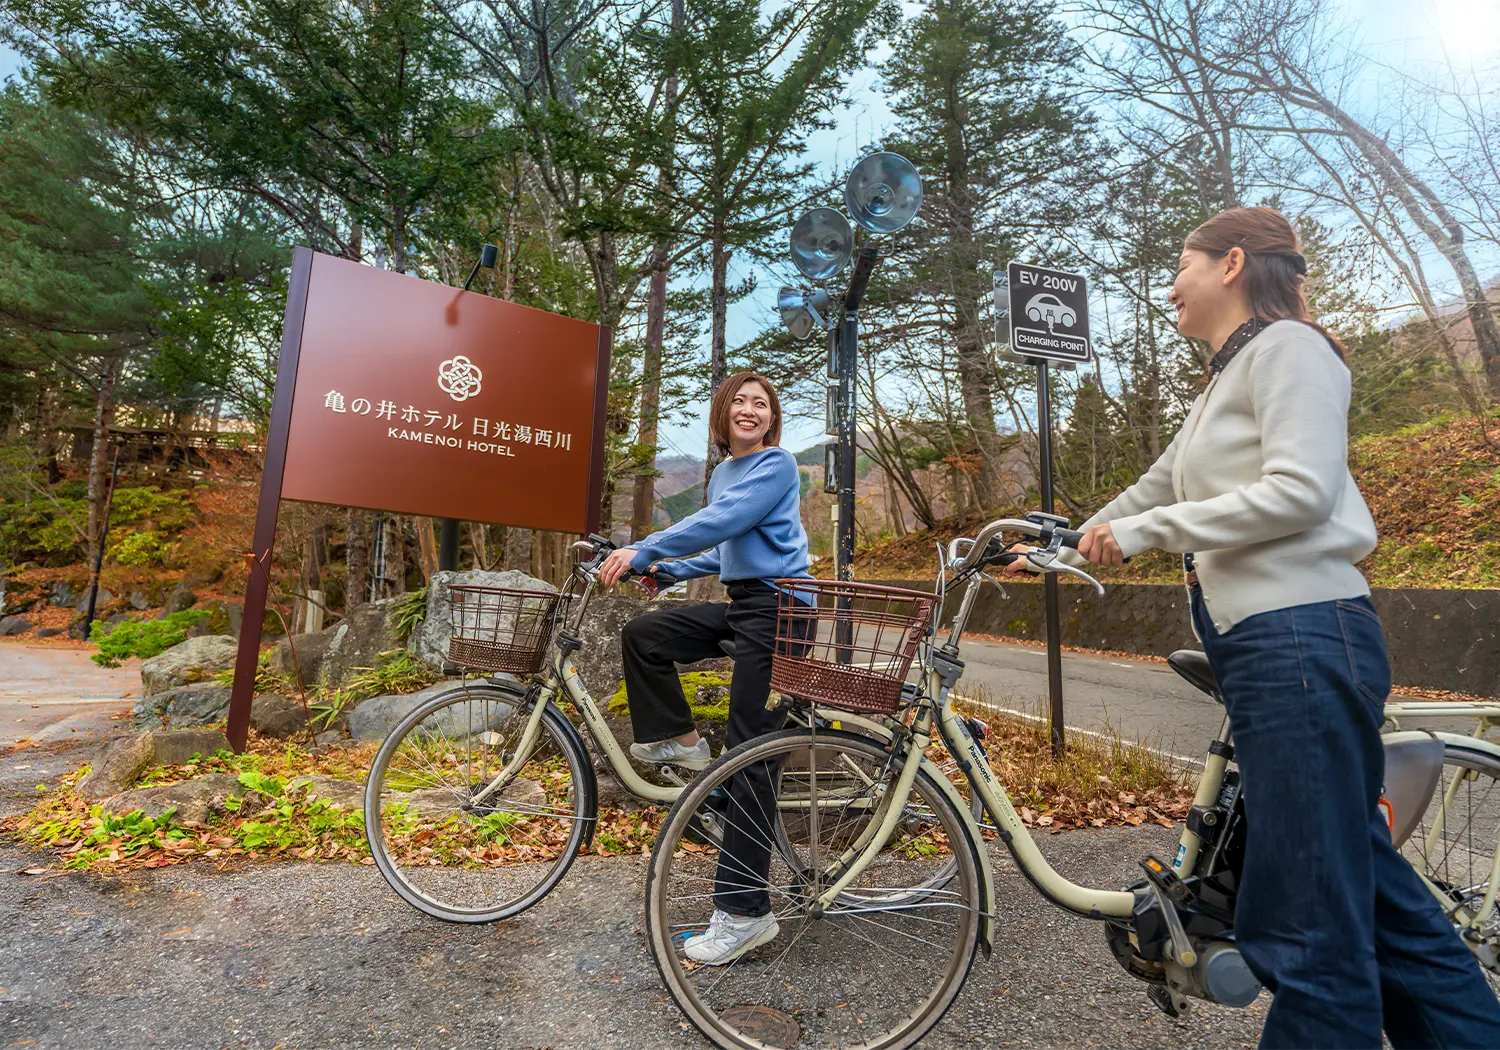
223, 619
188, 705
357, 642
178, 599
103, 598
277, 716
49, 632
64, 593
195, 800
177, 747
342, 793
191, 661
138, 600
117, 766
122, 759
10, 625
373, 719
329, 738
310, 650
429, 642
599, 662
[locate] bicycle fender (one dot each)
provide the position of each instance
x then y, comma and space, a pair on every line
589, 788
982, 857
1413, 766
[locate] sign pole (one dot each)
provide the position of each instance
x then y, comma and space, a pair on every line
1054, 625
251, 623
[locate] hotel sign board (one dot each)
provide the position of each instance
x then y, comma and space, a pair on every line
403, 395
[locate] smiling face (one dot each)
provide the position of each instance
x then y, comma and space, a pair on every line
750, 416
1206, 290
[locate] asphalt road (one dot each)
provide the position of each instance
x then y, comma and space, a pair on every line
1141, 700
54, 693
284, 956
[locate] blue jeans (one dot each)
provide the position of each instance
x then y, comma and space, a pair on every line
1330, 917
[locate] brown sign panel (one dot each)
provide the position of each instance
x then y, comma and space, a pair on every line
421, 398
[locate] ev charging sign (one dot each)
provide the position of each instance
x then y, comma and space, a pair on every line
1049, 314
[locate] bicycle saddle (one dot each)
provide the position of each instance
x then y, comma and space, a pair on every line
728, 646
1193, 666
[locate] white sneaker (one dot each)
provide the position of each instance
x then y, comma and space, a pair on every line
730, 936
669, 752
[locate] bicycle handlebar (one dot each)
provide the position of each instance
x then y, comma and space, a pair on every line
1050, 529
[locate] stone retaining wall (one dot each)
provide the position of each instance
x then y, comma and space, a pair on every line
1437, 639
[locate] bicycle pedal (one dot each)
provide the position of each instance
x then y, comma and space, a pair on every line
1166, 1001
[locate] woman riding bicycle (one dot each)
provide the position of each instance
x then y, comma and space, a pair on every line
751, 531
1255, 492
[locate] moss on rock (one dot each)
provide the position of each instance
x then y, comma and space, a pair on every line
707, 694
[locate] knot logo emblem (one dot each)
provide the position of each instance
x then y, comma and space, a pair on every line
459, 378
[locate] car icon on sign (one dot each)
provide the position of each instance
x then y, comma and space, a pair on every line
1050, 308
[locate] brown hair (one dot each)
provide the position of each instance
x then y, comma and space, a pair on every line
718, 410
1274, 266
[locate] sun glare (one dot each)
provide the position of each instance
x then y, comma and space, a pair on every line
1469, 29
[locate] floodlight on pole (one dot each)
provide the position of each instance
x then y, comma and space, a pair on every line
822, 243
884, 192
802, 311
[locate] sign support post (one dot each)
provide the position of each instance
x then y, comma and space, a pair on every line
1054, 617
248, 656
1044, 315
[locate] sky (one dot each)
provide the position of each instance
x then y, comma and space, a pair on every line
1397, 34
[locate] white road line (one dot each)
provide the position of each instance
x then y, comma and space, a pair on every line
1027, 716
1114, 664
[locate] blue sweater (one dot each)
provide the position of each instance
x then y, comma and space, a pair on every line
751, 528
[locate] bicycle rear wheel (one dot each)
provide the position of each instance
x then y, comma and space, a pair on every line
876, 969
462, 857
1454, 849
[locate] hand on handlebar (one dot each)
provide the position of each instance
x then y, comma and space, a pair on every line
616, 566
1098, 545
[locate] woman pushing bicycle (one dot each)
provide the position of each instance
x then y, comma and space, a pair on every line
751, 531
1255, 492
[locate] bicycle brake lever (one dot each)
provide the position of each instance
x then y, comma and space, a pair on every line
1047, 559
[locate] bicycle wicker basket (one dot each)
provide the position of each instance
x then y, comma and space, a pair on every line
847, 645
501, 629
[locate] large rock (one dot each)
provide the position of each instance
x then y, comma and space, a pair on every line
194, 660
188, 705
373, 719
429, 642
309, 650
10, 625
277, 716
64, 593
195, 800
599, 662
123, 759
178, 747
117, 766
355, 643
179, 599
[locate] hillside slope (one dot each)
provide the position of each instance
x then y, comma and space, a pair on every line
1434, 490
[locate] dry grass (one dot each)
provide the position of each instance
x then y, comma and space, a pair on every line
1100, 781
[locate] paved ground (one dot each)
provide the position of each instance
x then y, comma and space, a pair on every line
51, 693
1140, 700
288, 956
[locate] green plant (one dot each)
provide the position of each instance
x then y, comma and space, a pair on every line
141, 637
409, 612
267, 680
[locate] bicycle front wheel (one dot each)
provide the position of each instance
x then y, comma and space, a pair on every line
877, 968
450, 841
1454, 849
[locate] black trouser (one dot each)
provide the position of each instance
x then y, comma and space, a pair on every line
653, 644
